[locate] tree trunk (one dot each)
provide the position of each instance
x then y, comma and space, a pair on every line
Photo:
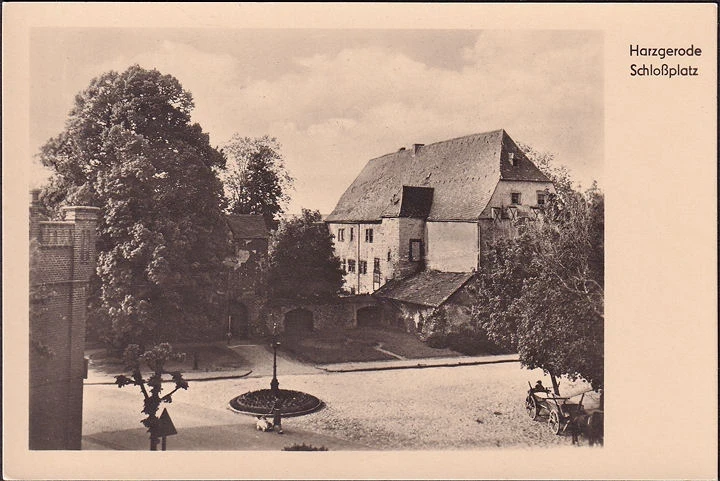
556, 386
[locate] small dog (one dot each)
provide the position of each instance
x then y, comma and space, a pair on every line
262, 424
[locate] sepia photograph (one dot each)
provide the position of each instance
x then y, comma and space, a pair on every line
356, 239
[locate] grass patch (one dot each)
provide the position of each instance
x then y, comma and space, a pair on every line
331, 346
357, 345
202, 357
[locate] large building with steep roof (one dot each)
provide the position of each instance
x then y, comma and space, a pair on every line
433, 208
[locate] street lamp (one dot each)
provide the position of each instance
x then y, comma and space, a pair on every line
227, 307
275, 384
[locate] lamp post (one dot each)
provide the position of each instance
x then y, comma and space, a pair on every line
275, 384
227, 307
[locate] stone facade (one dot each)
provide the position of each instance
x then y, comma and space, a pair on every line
62, 261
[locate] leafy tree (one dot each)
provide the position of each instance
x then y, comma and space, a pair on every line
151, 388
542, 292
129, 148
255, 180
302, 263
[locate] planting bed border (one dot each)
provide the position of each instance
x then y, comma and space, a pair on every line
312, 405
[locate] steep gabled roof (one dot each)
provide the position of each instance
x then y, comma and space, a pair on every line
427, 288
247, 226
463, 173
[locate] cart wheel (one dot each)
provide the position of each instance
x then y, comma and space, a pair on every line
531, 407
554, 422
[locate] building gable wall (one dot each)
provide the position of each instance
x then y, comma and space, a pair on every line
528, 190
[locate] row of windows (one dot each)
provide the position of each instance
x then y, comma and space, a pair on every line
516, 198
368, 235
415, 254
348, 265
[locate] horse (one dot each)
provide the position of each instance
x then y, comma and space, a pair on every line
590, 426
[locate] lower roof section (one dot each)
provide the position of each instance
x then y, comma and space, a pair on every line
426, 288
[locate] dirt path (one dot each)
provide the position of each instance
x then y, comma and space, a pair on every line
379, 348
260, 359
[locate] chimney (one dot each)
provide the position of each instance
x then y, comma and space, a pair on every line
416, 148
35, 216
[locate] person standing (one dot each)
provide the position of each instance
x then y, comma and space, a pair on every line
277, 420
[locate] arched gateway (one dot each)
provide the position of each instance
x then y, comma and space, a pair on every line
298, 321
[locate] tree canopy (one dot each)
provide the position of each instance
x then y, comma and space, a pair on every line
129, 148
542, 292
303, 264
255, 178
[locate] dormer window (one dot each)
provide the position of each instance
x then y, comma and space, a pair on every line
515, 198
514, 160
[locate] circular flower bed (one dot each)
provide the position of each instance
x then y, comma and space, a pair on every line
262, 402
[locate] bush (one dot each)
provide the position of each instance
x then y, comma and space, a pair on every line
304, 447
470, 342
457, 334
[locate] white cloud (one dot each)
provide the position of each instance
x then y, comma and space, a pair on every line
332, 113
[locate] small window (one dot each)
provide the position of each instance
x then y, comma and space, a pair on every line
541, 198
351, 265
415, 249
352, 233
389, 257
376, 265
515, 198
343, 264
362, 267
341, 235
368, 235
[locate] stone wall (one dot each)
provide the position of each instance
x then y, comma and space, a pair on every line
336, 313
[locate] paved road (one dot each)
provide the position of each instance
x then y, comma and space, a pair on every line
463, 407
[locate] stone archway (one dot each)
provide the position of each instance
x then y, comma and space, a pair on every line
298, 321
239, 320
370, 316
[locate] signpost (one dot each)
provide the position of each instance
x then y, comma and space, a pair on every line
165, 428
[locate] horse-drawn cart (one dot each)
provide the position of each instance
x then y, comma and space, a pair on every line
561, 413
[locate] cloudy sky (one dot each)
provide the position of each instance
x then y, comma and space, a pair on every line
336, 98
